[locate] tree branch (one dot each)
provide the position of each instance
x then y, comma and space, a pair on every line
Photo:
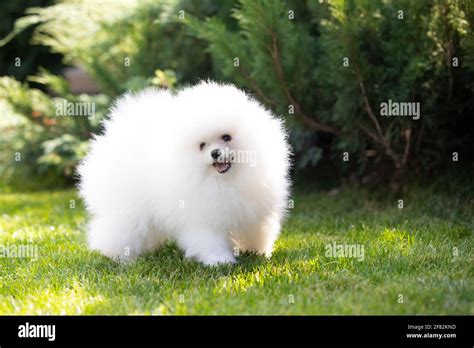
368, 108
255, 88
379, 137
309, 121
407, 135
388, 149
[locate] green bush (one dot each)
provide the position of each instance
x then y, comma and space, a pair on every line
123, 43
30, 56
39, 147
324, 66
291, 55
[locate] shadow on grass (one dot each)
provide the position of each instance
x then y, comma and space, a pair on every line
170, 258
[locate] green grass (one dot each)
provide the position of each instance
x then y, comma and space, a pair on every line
407, 252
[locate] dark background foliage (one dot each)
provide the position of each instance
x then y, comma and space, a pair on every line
323, 66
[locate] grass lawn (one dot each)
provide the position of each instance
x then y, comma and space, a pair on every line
421, 255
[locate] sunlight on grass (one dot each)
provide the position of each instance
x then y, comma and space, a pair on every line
67, 301
397, 240
427, 259
401, 239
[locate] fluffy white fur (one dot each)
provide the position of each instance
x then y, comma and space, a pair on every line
146, 180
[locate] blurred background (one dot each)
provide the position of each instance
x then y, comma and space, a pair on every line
323, 66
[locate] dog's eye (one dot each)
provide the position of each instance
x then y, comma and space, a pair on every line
201, 146
226, 137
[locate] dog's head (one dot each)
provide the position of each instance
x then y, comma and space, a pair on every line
223, 129
219, 152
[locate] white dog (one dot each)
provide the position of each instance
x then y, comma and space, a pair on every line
207, 168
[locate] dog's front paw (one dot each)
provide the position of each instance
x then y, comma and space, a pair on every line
214, 260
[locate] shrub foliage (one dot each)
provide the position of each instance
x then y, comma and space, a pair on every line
327, 67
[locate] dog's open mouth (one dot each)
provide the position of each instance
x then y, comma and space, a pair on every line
222, 167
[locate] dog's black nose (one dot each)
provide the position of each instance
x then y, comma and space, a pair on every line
215, 153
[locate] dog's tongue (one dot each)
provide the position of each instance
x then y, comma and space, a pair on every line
222, 167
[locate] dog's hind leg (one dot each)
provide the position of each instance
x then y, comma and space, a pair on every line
116, 238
